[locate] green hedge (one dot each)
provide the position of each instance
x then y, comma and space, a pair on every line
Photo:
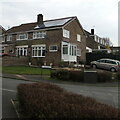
43, 100
102, 76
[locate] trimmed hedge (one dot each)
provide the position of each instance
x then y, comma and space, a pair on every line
102, 76
43, 100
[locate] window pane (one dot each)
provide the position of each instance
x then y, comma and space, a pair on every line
39, 52
43, 52
78, 37
65, 49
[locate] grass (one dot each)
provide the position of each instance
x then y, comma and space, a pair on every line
25, 70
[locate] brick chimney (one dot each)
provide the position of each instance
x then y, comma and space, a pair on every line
92, 31
40, 19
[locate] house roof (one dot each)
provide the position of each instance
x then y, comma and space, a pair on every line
2, 30
46, 24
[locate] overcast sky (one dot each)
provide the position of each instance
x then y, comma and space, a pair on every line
102, 15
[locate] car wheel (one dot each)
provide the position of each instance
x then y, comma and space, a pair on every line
113, 69
94, 66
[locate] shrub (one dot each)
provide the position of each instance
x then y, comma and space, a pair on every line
76, 76
104, 76
44, 100
68, 75
60, 74
118, 75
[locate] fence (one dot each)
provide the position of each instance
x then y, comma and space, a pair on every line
98, 55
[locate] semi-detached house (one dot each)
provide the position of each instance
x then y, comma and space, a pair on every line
48, 42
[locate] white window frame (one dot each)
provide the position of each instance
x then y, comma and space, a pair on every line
38, 48
39, 34
66, 33
67, 47
55, 50
22, 34
78, 52
78, 37
9, 37
73, 50
24, 50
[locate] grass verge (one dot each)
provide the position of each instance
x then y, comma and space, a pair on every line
25, 70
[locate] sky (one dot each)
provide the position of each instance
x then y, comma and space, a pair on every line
102, 15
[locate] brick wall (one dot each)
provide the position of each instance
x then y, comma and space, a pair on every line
8, 61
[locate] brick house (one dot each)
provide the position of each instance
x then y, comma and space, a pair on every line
48, 42
96, 43
2, 31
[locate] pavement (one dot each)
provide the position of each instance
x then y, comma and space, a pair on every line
42, 78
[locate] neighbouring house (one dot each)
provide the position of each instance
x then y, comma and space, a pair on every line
115, 49
96, 43
2, 31
48, 42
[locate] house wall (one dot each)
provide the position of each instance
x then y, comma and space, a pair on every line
75, 28
53, 37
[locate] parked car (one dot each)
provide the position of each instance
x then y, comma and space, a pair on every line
108, 64
4, 54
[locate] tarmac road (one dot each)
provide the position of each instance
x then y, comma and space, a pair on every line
108, 95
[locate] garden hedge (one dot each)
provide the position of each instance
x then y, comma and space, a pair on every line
75, 75
45, 101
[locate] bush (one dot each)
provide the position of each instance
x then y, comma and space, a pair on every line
104, 76
60, 74
76, 76
118, 75
45, 100
68, 75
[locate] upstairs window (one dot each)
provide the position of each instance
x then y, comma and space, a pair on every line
79, 37
66, 33
53, 48
39, 35
2, 38
23, 36
9, 37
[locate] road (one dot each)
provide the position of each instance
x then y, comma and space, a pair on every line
108, 95
9, 88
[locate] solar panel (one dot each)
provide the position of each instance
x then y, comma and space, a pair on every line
53, 23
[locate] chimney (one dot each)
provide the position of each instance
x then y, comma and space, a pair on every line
92, 31
40, 19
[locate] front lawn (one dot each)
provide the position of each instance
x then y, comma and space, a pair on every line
25, 70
